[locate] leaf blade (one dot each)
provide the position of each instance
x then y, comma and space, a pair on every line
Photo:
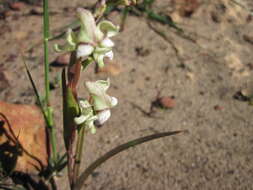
80, 181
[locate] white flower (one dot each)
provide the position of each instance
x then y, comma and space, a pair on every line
101, 102
87, 116
92, 40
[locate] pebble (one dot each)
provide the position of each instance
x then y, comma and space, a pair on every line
167, 102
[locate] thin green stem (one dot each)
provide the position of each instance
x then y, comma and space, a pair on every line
79, 151
46, 72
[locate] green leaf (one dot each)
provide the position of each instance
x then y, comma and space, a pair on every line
38, 97
70, 110
163, 19
80, 181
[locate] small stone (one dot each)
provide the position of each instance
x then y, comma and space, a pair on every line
247, 92
217, 107
167, 102
17, 6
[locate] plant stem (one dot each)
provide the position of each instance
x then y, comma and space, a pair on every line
79, 151
49, 110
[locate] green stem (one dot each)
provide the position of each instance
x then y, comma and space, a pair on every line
79, 151
46, 72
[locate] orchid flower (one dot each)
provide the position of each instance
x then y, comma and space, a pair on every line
92, 40
87, 116
98, 109
101, 102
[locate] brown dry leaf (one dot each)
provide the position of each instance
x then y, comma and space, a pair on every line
110, 67
24, 125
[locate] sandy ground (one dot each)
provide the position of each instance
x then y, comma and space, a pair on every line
203, 70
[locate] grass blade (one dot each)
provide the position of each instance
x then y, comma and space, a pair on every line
35, 90
117, 150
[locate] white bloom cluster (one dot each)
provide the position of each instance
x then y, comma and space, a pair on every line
92, 40
98, 110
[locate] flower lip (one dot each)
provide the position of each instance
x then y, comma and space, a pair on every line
114, 101
109, 55
103, 116
84, 50
107, 43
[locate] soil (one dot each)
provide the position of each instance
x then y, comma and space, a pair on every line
201, 71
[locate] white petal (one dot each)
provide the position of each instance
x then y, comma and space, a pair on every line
70, 37
103, 116
81, 119
70, 44
84, 50
108, 28
112, 33
107, 42
88, 25
100, 100
109, 55
114, 101
99, 87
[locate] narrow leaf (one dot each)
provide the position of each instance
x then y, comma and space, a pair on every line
70, 110
35, 90
117, 150
163, 19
